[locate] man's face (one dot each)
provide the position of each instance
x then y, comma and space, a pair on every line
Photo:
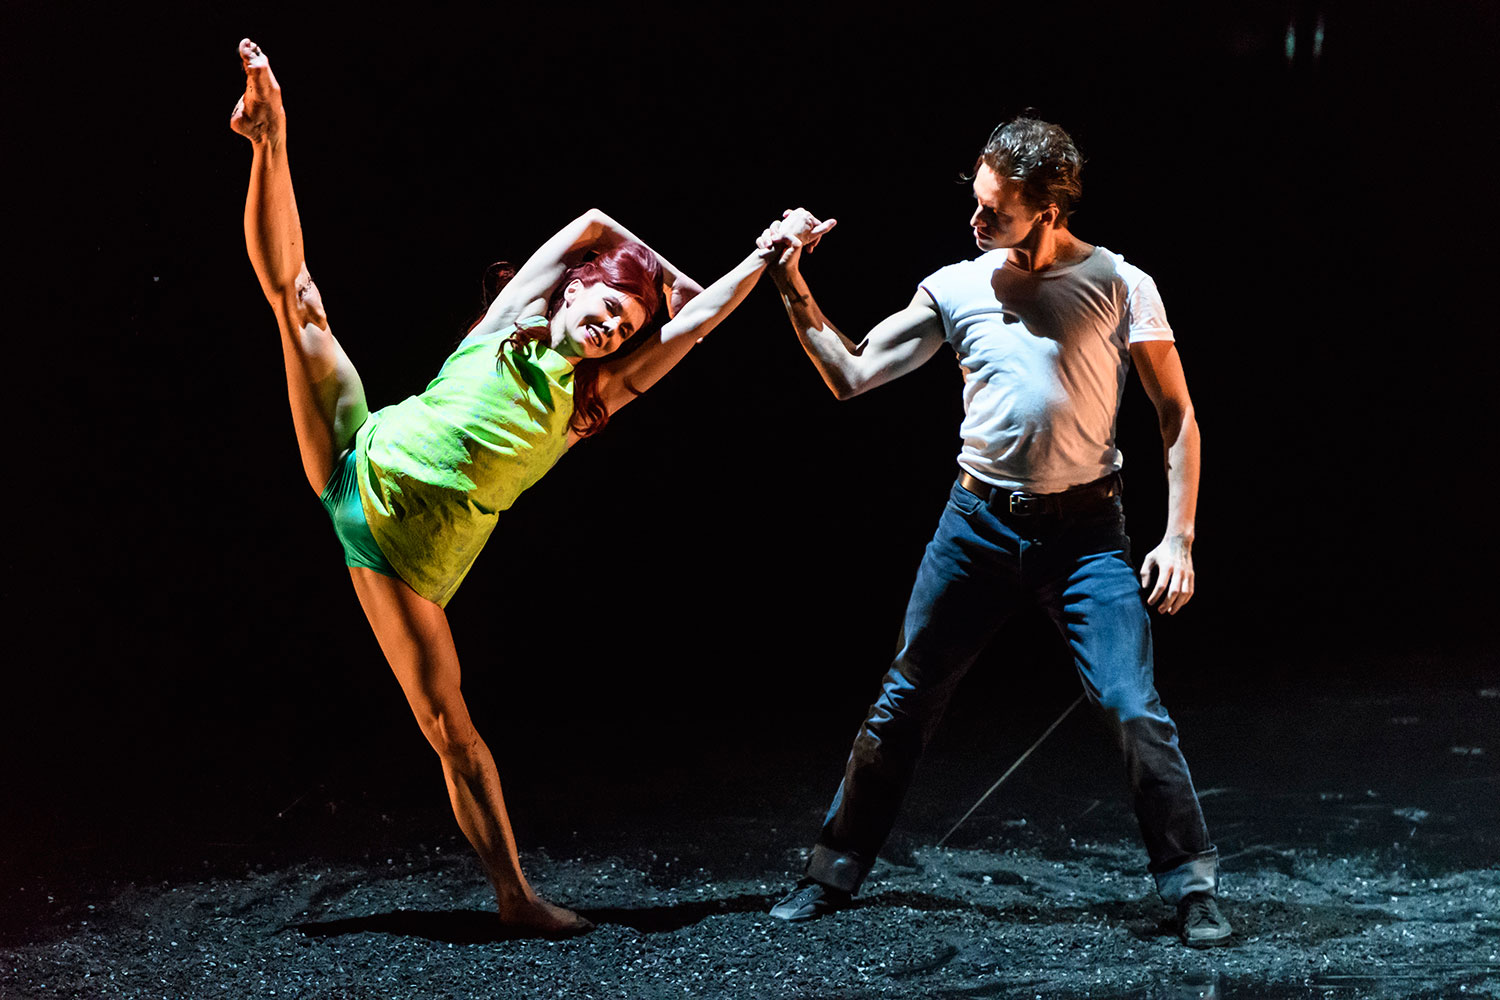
1001, 218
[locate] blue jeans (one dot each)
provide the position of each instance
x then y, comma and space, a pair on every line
980, 566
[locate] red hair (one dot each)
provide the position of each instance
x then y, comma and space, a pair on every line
630, 268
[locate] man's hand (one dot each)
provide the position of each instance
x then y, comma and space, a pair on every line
1172, 564
803, 226
797, 230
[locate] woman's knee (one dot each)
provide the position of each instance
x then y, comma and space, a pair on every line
450, 734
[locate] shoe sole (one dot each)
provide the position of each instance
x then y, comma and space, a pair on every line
1214, 942
797, 916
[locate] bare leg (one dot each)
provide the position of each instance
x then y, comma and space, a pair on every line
328, 401
328, 406
413, 633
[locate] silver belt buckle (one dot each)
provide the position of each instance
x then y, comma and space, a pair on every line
1021, 503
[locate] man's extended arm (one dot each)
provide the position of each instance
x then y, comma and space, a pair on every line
1161, 374
898, 344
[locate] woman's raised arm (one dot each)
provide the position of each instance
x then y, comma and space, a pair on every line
624, 379
527, 293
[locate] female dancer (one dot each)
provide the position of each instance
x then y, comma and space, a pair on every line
415, 489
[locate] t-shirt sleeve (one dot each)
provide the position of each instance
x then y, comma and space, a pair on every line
940, 284
1148, 317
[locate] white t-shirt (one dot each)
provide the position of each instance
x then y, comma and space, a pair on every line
1044, 357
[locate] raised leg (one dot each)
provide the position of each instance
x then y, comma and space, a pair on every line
413, 633
328, 401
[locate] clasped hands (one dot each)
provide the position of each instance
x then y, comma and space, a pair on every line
796, 230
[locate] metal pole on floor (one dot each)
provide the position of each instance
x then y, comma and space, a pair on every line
1011, 770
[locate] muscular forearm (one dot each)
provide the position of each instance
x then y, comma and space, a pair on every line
832, 353
1182, 448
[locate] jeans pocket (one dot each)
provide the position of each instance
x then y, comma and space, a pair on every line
963, 501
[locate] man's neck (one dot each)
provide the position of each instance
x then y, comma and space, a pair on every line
1051, 247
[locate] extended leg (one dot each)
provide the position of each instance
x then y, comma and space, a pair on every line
1098, 609
328, 402
965, 588
413, 633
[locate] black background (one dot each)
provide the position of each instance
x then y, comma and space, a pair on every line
727, 564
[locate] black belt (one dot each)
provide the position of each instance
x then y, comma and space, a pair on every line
1089, 496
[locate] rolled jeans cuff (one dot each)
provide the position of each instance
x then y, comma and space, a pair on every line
1197, 874
834, 869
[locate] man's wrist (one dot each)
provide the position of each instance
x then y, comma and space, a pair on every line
1181, 536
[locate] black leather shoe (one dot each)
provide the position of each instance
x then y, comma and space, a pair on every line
1199, 922
809, 900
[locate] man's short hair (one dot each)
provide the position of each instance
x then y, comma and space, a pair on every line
1041, 158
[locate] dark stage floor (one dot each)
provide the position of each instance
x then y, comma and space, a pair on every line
1359, 836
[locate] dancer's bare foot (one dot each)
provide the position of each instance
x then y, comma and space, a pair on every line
535, 917
259, 115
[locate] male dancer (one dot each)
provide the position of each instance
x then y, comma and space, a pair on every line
1045, 327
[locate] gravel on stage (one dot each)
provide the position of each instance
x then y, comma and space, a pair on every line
1342, 880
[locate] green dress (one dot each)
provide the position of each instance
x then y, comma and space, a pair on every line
436, 470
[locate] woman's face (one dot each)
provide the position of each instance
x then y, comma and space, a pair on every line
598, 318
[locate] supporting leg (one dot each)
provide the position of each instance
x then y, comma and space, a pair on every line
1098, 608
414, 635
966, 586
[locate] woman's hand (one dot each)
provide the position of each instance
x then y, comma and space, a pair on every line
771, 243
797, 230
680, 290
802, 225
